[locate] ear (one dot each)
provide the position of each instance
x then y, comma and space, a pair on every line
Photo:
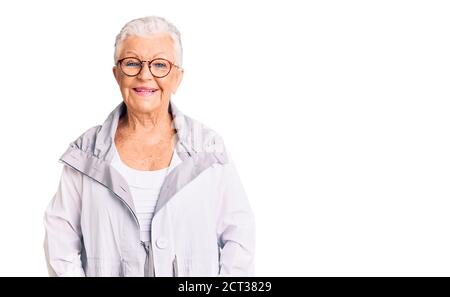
116, 73
178, 79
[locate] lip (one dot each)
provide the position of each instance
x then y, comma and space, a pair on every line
144, 91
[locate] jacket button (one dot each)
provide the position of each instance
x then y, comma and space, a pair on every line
161, 243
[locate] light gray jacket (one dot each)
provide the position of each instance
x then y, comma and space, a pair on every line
202, 225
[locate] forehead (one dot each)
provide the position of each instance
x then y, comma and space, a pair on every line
160, 44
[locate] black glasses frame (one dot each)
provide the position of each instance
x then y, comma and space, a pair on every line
119, 63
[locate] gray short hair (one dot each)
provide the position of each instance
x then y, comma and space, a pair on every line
147, 26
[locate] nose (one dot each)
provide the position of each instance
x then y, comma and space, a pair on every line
145, 71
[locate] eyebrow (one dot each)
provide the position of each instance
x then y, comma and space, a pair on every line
134, 53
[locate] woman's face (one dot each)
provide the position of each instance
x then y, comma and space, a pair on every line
158, 45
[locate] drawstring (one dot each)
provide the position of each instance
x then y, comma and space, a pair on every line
148, 269
175, 266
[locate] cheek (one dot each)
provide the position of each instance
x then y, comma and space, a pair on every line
125, 84
166, 84
125, 90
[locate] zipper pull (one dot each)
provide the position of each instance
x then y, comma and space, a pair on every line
144, 244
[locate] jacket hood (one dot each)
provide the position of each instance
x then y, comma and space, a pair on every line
193, 137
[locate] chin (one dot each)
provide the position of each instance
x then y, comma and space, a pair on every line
147, 104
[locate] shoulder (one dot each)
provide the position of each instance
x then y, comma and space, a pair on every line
83, 145
71, 179
202, 138
86, 141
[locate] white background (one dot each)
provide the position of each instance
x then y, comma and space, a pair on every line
336, 114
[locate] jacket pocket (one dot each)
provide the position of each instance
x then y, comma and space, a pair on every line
197, 265
104, 267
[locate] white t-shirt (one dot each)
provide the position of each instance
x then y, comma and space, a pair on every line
145, 187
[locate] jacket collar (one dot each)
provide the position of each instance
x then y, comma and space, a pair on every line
103, 147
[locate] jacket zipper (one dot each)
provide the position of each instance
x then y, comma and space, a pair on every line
146, 265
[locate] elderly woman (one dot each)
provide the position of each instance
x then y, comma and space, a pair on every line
151, 191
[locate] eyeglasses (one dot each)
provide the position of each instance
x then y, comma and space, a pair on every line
158, 67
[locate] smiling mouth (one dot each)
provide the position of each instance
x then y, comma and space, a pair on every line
145, 91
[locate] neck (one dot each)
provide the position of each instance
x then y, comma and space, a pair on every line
153, 127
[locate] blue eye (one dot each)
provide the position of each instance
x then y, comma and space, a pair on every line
159, 65
133, 64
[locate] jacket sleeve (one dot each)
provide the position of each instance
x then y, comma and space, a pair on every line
63, 238
236, 227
